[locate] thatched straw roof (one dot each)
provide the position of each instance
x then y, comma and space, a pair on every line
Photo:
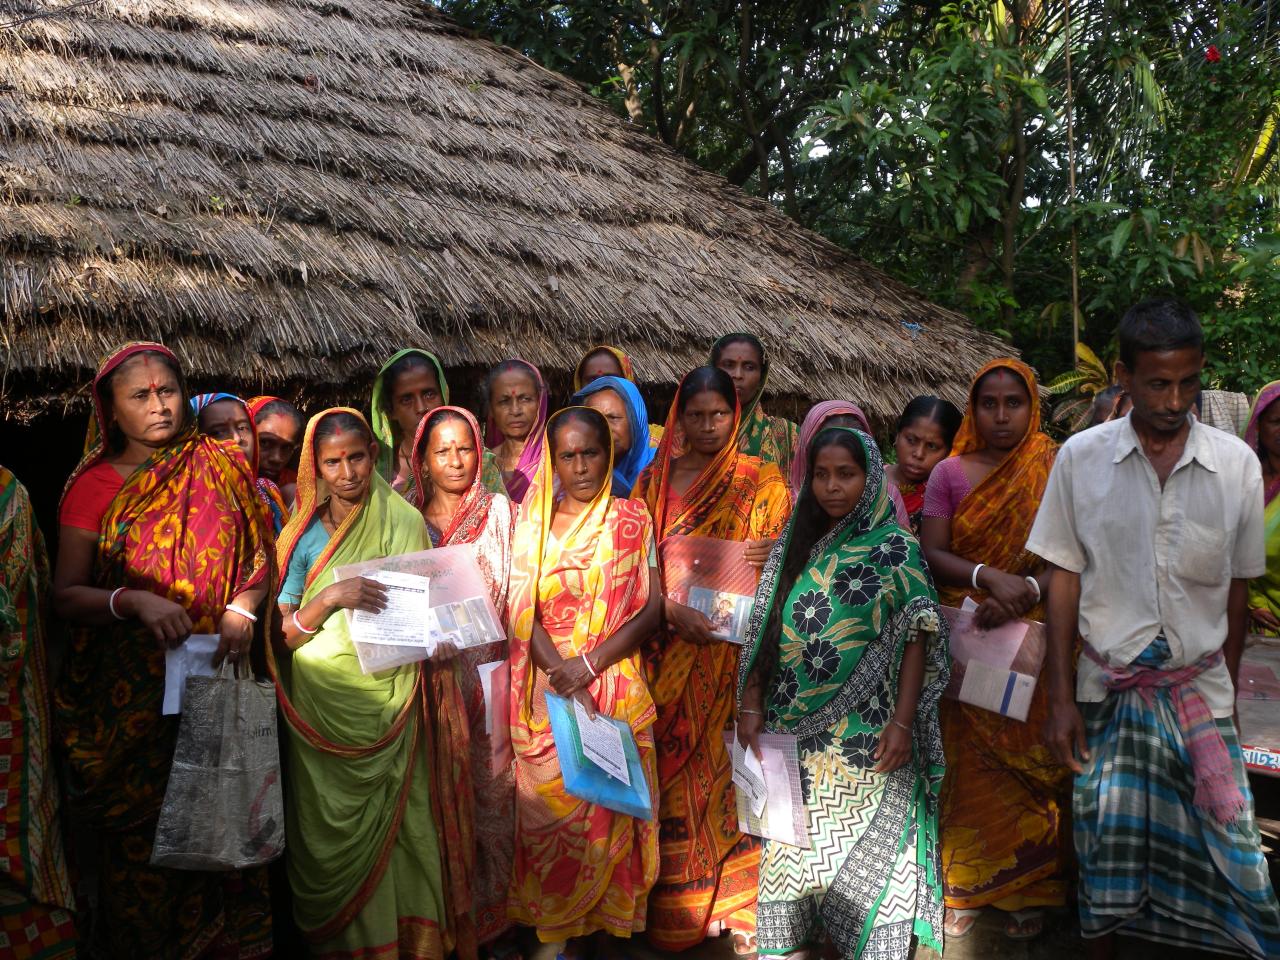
285, 192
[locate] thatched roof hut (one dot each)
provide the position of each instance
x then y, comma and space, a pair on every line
285, 192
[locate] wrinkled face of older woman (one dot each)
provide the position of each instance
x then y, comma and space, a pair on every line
146, 401
513, 401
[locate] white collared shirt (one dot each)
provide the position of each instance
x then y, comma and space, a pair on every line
1153, 561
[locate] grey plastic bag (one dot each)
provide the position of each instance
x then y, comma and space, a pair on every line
223, 809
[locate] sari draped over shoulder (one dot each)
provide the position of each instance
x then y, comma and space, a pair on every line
36, 900
530, 459
384, 427
364, 860
477, 826
270, 495
1001, 802
579, 867
709, 868
186, 525
1264, 592
830, 660
771, 439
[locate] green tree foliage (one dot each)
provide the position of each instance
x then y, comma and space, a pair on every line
932, 139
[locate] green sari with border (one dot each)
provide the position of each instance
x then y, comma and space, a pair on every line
872, 880
364, 860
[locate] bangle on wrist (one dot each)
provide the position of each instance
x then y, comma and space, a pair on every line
251, 617
111, 603
1035, 584
298, 623
898, 723
586, 658
973, 577
754, 713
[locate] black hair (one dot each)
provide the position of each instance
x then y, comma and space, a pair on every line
281, 408
932, 410
810, 524
595, 353
341, 422
114, 438
750, 339
439, 416
1104, 403
506, 366
977, 384
706, 380
586, 416
1156, 326
406, 364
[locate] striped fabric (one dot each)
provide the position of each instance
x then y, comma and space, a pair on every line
1151, 864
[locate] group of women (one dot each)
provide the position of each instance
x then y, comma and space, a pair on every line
214, 514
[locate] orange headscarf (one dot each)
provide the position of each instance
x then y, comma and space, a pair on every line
993, 522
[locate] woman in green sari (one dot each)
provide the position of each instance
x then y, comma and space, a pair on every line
363, 857
772, 439
408, 387
847, 652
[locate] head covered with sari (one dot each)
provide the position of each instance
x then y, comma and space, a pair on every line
381, 420
857, 592
256, 404
772, 439
1266, 397
268, 492
582, 587
994, 520
187, 525
531, 457
624, 364
627, 468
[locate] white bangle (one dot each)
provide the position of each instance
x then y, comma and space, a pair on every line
298, 623
1035, 583
111, 602
973, 577
251, 617
592, 670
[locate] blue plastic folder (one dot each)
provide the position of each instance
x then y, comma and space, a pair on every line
583, 779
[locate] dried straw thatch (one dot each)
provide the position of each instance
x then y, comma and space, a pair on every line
285, 192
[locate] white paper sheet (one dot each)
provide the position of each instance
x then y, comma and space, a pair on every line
191, 658
749, 777
602, 744
1005, 692
405, 620
485, 671
996, 647
783, 816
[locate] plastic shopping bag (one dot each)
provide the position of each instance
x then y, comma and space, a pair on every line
223, 809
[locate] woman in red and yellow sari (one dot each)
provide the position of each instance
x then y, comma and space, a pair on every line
363, 857
606, 361
36, 902
478, 821
709, 869
162, 536
1000, 813
583, 598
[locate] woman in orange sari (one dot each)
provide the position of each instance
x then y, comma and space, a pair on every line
162, 536
478, 819
584, 595
1000, 813
709, 869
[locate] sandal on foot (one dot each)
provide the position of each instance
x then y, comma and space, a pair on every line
958, 924
1024, 924
744, 945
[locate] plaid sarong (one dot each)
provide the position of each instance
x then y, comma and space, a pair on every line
1152, 864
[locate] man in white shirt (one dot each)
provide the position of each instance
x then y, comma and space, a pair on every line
1153, 524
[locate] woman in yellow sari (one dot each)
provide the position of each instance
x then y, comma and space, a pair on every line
363, 858
1000, 812
583, 597
709, 869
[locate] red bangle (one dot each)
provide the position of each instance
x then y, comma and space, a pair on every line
298, 623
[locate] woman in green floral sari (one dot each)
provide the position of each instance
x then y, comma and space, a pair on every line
847, 652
